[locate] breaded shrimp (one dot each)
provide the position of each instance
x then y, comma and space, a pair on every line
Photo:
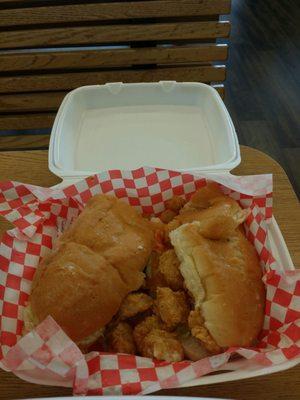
120, 339
172, 307
168, 267
146, 326
162, 345
198, 330
134, 304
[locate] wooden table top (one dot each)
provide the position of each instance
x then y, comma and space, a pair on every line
32, 167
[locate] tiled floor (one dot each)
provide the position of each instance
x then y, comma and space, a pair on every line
263, 79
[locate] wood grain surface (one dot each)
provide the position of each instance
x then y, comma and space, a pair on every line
113, 33
23, 141
112, 11
31, 167
69, 60
72, 80
24, 102
25, 121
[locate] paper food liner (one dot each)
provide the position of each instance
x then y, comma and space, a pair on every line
47, 356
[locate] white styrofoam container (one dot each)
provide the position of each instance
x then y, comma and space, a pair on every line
179, 126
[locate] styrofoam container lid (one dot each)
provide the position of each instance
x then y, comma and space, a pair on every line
179, 126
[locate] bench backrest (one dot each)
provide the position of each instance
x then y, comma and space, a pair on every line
48, 47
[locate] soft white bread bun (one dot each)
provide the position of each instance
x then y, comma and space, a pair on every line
224, 278
93, 266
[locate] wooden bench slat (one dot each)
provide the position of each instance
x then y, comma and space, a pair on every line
114, 33
23, 142
112, 11
26, 121
31, 102
108, 58
22, 3
67, 81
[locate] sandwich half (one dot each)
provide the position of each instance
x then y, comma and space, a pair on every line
92, 268
224, 279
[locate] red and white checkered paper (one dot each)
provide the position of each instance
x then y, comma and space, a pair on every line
46, 355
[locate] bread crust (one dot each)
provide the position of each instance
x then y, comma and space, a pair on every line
94, 265
225, 279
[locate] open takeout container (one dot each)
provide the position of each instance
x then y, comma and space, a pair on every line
178, 126
182, 127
